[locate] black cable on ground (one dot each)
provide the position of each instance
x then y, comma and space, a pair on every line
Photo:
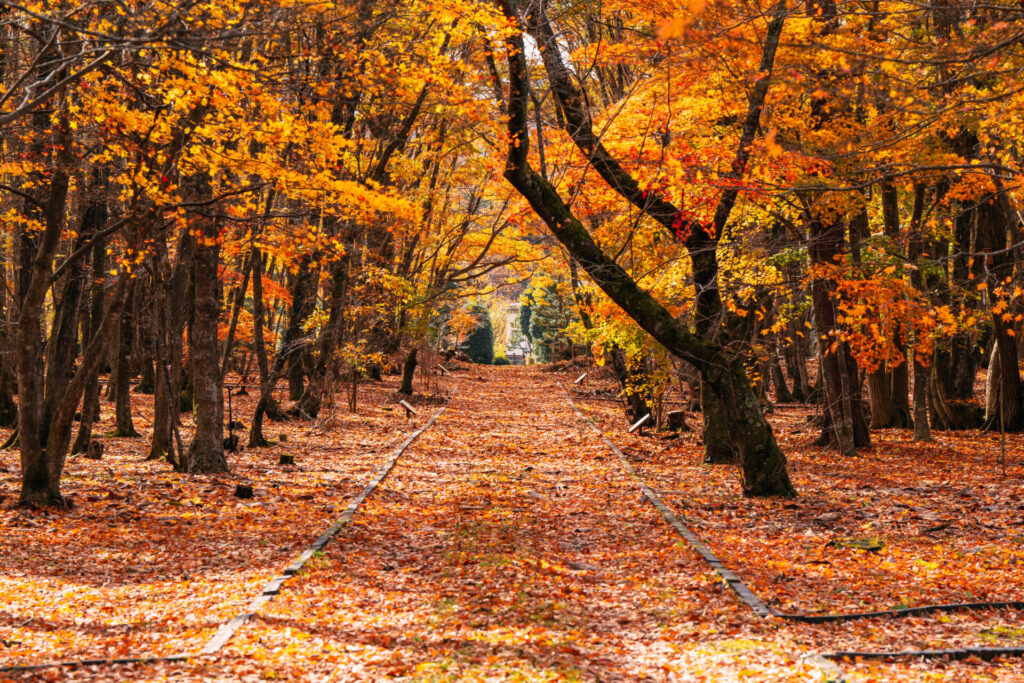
898, 613
270, 589
96, 662
751, 599
986, 653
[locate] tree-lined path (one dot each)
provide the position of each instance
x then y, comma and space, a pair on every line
508, 543
231, 226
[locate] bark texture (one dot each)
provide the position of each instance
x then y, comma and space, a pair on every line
763, 464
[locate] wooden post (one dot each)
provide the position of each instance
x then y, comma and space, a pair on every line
409, 410
639, 424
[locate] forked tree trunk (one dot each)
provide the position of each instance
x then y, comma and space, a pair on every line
170, 285
763, 464
845, 428
266, 405
45, 419
701, 241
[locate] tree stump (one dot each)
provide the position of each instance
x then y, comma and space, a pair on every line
95, 451
675, 421
287, 459
243, 491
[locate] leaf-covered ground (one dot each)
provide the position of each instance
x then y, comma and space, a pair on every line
509, 544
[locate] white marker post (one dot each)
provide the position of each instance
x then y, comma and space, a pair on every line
409, 410
581, 378
639, 423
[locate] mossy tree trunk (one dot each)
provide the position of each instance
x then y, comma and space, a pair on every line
701, 241
763, 464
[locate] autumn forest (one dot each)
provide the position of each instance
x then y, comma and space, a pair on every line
528, 340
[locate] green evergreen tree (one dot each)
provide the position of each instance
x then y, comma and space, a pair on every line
548, 319
525, 314
479, 343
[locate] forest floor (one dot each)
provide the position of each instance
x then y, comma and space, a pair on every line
510, 543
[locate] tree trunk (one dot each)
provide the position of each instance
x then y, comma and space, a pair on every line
883, 411
922, 432
763, 464
206, 452
146, 339
320, 379
97, 216
236, 311
8, 408
256, 438
294, 347
122, 393
782, 392
915, 249
992, 381
845, 428
629, 377
900, 390
266, 405
296, 374
408, 371
169, 285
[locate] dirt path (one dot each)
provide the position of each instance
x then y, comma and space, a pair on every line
508, 542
